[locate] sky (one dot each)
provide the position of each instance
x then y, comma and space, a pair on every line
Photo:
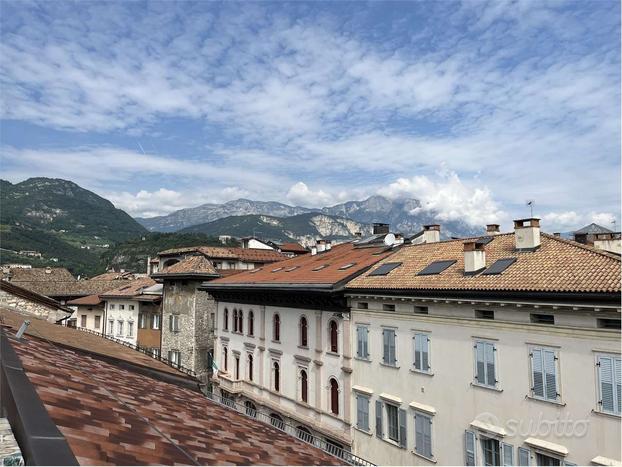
472, 107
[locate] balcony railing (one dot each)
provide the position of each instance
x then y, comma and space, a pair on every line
336, 451
146, 351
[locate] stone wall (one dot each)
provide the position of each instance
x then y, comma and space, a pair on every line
24, 305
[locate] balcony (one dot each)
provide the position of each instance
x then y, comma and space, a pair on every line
229, 384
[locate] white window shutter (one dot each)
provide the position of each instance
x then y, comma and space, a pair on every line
480, 368
618, 383
490, 365
605, 372
550, 374
469, 448
524, 456
507, 451
537, 371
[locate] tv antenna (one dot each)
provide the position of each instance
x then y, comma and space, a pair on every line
531, 203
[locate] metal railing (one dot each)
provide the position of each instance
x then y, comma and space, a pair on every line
143, 350
296, 431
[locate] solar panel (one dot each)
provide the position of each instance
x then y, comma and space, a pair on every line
436, 267
384, 269
499, 266
484, 240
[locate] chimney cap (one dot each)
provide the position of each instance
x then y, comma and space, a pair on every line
474, 245
531, 222
432, 227
494, 227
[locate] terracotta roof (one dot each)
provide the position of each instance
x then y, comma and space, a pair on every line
15, 289
256, 255
111, 276
88, 300
326, 268
293, 247
130, 289
229, 272
557, 266
70, 288
75, 339
113, 416
40, 274
195, 265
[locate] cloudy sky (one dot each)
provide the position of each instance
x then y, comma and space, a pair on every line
471, 107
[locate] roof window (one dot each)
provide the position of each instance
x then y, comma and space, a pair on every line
277, 269
319, 268
346, 266
436, 267
255, 271
292, 268
384, 269
499, 266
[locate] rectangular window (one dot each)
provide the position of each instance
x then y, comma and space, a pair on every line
422, 352
131, 307
155, 321
111, 306
174, 323
539, 318
491, 452
543, 459
609, 383
174, 356
422, 310
121, 307
485, 371
523, 456
98, 321
423, 435
608, 323
362, 412
111, 327
393, 431
485, 314
388, 307
120, 328
544, 374
362, 344
130, 329
83, 321
155, 352
142, 321
388, 347
363, 305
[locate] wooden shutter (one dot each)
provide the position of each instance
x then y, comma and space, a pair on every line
523, 456
359, 342
617, 372
379, 419
480, 367
507, 451
537, 371
491, 377
359, 413
469, 448
427, 436
606, 374
385, 345
365, 342
425, 353
417, 362
402, 425
419, 434
550, 374
392, 352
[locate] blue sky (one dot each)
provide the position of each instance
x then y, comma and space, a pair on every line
471, 107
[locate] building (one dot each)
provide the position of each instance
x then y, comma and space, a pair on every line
498, 350
222, 258
283, 342
290, 249
15, 297
599, 237
188, 314
73, 398
88, 313
254, 242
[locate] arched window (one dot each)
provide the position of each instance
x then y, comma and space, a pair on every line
225, 319
277, 421
334, 396
224, 358
303, 332
251, 323
304, 386
237, 367
276, 328
276, 376
251, 410
235, 320
332, 328
250, 367
240, 321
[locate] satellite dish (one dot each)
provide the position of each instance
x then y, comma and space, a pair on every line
389, 239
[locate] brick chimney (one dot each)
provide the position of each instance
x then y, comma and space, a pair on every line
380, 228
474, 257
527, 233
492, 229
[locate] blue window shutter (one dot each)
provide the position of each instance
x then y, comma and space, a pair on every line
419, 434
469, 448
490, 365
537, 370
605, 372
480, 374
508, 454
402, 424
523, 456
392, 353
379, 419
550, 374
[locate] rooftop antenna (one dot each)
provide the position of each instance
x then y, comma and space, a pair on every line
22, 329
613, 222
530, 203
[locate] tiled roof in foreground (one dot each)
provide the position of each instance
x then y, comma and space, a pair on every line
110, 415
556, 266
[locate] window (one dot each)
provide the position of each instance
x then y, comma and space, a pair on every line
538, 318
491, 451
388, 307
276, 328
240, 321
363, 305
237, 367
235, 320
98, 320
485, 314
225, 320
523, 456
225, 358
303, 332
608, 323
436, 267
251, 323
543, 459
609, 384
485, 373
119, 328
469, 448
362, 342
111, 326
544, 374
131, 307
155, 321
83, 321
388, 347
276, 376
142, 321
362, 412
304, 386
334, 396
130, 329
111, 306
174, 357
423, 435
422, 310
155, 352
251, 410
393, 431
332, 331
174, 325
422, 352
384, 269
250, 367
121, 307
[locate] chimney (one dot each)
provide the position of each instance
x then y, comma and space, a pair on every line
527, 233
328, 245
313, 250
380, 228
321, 245
557, 234
48, 270
431, 233
474, 257
492, 229
358, 234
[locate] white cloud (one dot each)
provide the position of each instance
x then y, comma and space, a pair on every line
299, 194
567, 221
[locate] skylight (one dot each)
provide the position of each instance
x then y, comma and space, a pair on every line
277, 269
436, 267
292, 268
499, 266
319, 268
346, 266
254, 271
385, 269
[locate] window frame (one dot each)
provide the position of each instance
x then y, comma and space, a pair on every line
303, 332
495, 362
429, 417
334, 402
556, 362
333, 349
387, 435
615, 391
367, 399
225, 319
251, 323
427, 339
276, 328
364, 342
275, 372
395, 355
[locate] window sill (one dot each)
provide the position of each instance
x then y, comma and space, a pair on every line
429, 459
303, 347
332, 354
421, 372
368, 360
276, 342
395, 367
616, 416
367, 432
490, 388
392, 443
546, 401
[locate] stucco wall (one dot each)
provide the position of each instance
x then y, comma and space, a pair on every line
91, 311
